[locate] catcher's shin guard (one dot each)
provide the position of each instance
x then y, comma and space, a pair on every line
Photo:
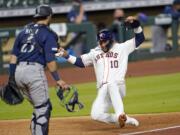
40, 119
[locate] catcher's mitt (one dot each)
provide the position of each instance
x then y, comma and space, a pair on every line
69, 98
10, 93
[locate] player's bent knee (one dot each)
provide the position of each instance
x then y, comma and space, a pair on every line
95, 116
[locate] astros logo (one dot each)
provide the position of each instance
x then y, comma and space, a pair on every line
101, 36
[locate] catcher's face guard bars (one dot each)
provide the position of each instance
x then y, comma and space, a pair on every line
69, 98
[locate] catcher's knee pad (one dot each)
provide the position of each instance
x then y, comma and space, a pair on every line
40, 119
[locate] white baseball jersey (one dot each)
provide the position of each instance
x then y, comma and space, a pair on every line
110, 66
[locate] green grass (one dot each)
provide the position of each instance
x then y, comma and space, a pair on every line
153, 94
150, 94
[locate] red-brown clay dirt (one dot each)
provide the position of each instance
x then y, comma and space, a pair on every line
85, 126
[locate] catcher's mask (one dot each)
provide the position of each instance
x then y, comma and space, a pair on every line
105, 39
69, 98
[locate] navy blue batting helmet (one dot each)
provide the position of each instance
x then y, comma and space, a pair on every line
43, 11
105, 35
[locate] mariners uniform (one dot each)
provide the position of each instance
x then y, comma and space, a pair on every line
110, 67
33, 49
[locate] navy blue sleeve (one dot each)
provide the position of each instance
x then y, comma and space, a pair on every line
50, 43
79, 62
139, 38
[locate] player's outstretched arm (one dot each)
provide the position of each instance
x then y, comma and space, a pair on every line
135, 24
139, 36
77, 61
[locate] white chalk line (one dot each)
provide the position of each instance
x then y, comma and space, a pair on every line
153, 130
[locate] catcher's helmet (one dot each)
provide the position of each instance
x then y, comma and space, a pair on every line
43, 11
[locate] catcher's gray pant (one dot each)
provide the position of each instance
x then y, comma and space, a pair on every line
31, 79
159, 39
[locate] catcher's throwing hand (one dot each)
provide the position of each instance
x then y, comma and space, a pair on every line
62, 85
61, 52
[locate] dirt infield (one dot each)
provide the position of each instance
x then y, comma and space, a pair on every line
150, 124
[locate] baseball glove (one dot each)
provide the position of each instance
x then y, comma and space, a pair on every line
69, 98
10, 93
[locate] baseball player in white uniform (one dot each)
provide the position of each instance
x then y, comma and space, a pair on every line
110, 61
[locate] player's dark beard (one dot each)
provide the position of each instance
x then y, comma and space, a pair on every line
108, 46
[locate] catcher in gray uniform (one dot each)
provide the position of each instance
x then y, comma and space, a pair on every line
32, 52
